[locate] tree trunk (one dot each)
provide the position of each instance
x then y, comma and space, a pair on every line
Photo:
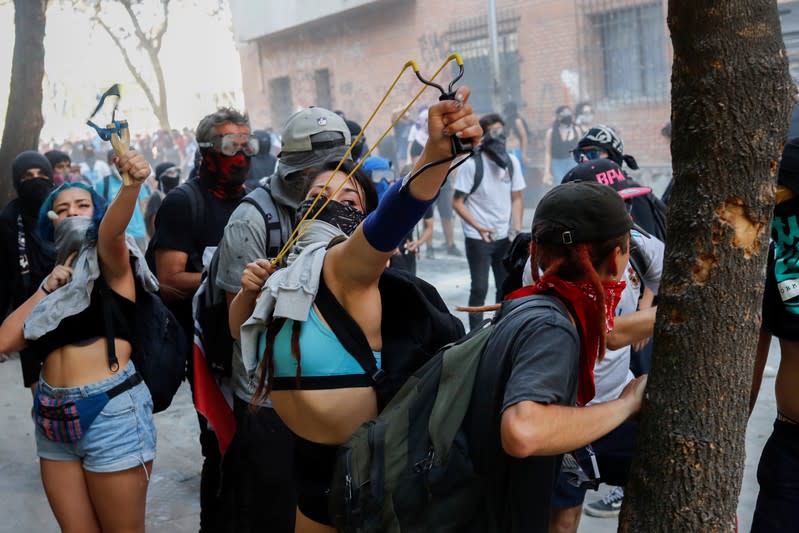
24, 115
731, 96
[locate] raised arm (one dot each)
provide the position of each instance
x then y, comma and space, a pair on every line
359, 261
111, 246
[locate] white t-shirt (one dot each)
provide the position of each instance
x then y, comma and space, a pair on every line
612, 373
490, 204
418, 132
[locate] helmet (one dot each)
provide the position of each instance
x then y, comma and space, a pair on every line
606, 138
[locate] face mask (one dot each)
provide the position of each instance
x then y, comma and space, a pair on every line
336, 214
69, 235
291, 186
224, 175
586, 118
613, 291
167, 183
33, 192
495, 148
566, 120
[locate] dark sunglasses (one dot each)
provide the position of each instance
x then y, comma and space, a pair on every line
581, 155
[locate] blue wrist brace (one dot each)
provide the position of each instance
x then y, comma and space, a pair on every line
395, 217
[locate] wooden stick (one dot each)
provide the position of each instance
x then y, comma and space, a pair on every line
121, 144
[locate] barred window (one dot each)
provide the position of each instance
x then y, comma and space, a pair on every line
624, 51
324, 97
470, 39
280, 99
789, 18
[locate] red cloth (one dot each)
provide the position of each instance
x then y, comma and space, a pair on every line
583, 302
209, 400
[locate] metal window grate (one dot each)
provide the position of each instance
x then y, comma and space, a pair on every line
280, 99
324, 96
623, 50
469, 37
789, 19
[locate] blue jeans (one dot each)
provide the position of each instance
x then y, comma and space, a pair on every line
121, 437
481, 255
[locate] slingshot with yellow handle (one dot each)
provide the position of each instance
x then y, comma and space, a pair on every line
459, 147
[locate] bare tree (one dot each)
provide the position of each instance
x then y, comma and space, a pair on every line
24, 116
731, 96
138, 37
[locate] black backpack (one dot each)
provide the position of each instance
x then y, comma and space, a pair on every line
514, 262
159, 343
410, 469
209, 307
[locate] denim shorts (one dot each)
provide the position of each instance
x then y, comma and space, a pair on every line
121, 437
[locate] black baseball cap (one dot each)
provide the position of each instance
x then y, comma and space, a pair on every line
581, 211
607, 172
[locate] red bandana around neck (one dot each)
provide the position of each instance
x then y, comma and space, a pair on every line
583, 301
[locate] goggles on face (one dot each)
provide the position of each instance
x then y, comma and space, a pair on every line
581, 155
232, 143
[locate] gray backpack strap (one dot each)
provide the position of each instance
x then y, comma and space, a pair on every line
276, 233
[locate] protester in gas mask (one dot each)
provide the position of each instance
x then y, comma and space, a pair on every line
167, 177
584, 116
263, 163
488, 198
188, 228
61, 162
558, 143
26, 259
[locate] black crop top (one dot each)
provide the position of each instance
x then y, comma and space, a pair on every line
89, 324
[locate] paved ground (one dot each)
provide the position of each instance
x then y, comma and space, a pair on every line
173, 505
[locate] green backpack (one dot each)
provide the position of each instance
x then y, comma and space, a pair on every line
409, 469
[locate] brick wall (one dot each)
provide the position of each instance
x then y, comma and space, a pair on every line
365, 48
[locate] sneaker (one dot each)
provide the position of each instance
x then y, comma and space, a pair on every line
607, 507
453, 250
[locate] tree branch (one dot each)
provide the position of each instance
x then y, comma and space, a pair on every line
139, 79
160, 34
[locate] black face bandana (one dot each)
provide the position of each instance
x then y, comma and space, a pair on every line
32, 193
169, 183
494, 147
336, 214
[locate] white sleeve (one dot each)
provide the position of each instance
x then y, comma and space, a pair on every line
527, 275
653, 249
518, 183
412, 133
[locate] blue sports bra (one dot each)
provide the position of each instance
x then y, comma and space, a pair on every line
326, 364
